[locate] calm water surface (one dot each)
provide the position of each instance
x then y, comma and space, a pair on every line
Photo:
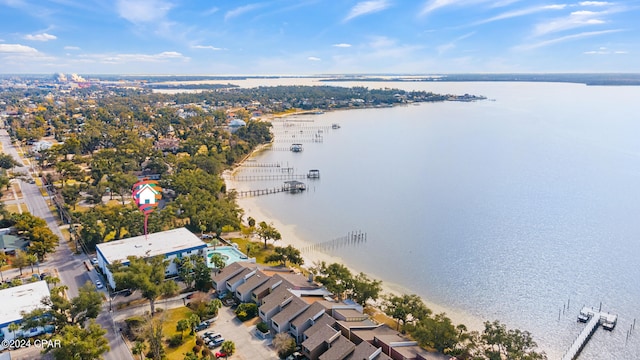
510, 209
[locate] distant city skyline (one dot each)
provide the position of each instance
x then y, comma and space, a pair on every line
303, 37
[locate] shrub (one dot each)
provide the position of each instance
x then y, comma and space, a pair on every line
199, 342
262, 327
205, 353
247, 311
196, 349
175, 341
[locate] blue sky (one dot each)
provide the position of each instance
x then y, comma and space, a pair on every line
318, 36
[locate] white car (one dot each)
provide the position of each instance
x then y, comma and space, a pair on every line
94, 261
98, 284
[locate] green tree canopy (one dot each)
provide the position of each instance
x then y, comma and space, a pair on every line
146, 275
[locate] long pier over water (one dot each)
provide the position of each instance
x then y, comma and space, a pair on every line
593, 318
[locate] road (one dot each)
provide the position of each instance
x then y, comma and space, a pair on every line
70, 268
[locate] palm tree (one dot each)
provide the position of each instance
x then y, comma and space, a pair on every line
52, 280
13, 327
138, 349
32, 259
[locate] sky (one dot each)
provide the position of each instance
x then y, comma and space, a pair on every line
306, 37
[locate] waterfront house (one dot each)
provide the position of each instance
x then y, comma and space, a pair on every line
243, 292
220, 279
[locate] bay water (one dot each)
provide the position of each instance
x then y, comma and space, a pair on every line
523, 207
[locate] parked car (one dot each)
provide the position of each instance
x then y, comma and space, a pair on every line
127, 292
99, 284
203, 325
215, 343
212, 336
220, 354
44, 275
94, 261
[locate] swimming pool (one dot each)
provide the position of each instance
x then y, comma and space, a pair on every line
229, 254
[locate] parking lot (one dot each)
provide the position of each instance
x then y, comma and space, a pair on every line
248, 345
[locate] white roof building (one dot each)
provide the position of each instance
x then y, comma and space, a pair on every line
170, 244
16, 299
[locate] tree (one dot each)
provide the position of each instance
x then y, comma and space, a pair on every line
228, 347
217, 261
68, 170
284, 345
193, 320
267, 232
202, 275
147, 275
86, 343
13, 327
32, 260
182, 325
86, 305
121, 184
43, 242
436, 332
336, 278
365, 289
512, 344
20, 260
284, 254
405, 308
153, 335
7, 161
138, 349
185, 270
71, 195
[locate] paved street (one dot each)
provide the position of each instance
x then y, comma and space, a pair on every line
70, 268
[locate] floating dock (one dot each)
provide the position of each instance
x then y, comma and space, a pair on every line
593, 317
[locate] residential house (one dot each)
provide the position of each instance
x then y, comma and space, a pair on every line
366, 351
281, 321
243, 292
338, 349
319, 338
305, 320
220, 279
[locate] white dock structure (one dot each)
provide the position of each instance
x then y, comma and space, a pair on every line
593, 318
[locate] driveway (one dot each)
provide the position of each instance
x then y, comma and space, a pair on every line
248, 345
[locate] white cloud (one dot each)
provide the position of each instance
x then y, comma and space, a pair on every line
17, 49
127, 58
313, 58
565, 38
40, 37
451, 45
595, 3
575, 19
211, 11
367, 7
71, 48
518, 13
142, 11
208, 47
241, 10
342, 45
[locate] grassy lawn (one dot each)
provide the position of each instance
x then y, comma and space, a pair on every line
12, 208
169, 329
258, 251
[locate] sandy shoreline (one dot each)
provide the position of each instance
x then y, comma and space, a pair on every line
290, 237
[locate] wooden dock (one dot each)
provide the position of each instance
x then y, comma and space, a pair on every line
269, 177
594, 318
